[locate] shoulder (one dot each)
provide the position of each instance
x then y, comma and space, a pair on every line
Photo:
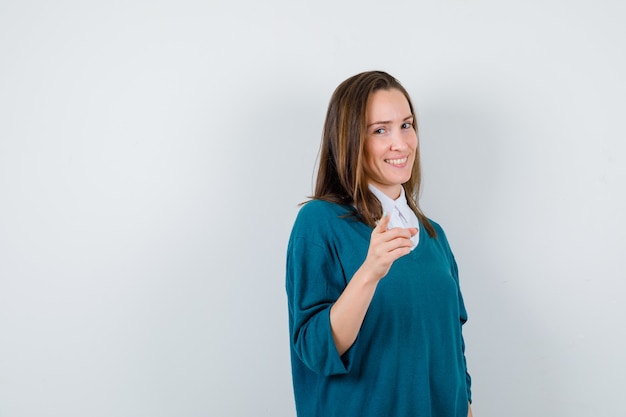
441, 234
437, 227
320, 212
441, 239
319, 220
325, 206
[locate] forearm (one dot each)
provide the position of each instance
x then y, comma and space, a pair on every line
348, 312
469, 411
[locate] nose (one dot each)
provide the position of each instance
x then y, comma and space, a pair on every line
398, 142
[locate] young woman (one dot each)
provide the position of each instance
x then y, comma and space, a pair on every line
375, 307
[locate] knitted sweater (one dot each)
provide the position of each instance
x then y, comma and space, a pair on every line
408, 359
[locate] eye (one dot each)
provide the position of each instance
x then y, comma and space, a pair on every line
379, 131
407, 125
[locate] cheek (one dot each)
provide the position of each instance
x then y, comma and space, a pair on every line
370, 160
374, 150
369, 153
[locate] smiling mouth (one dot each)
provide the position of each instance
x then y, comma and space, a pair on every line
400, 161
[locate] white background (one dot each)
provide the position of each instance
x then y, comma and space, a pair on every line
153, 153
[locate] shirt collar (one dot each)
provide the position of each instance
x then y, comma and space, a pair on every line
400, 203
387, 202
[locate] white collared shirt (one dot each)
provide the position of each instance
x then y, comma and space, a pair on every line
400, 213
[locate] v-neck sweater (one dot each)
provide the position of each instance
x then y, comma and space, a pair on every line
409, 357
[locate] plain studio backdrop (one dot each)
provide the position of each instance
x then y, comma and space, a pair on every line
153, 155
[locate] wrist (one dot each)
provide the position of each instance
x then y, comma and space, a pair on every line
366, 277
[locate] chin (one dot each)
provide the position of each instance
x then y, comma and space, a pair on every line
399, 180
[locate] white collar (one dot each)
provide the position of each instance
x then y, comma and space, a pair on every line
400, 204
400, 213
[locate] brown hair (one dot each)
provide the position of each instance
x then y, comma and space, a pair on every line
340, 177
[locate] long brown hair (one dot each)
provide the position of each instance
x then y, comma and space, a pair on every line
340, 177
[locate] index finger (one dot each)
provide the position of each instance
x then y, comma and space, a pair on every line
381, 225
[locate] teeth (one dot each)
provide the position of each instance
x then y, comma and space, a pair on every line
396, 161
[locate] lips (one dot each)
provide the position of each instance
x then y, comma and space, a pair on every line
400, 161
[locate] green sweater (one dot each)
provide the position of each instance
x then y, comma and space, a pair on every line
408, 359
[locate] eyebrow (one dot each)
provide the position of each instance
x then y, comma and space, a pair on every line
386, 122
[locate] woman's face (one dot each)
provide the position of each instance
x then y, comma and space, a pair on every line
390, 142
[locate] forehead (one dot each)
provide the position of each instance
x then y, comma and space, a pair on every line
388, 105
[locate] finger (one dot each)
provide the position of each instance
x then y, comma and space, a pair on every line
381, 225
396, 252
394, 239
400, 252
398, 232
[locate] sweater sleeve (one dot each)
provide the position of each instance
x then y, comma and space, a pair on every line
462, 311
463, 319
315, 280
